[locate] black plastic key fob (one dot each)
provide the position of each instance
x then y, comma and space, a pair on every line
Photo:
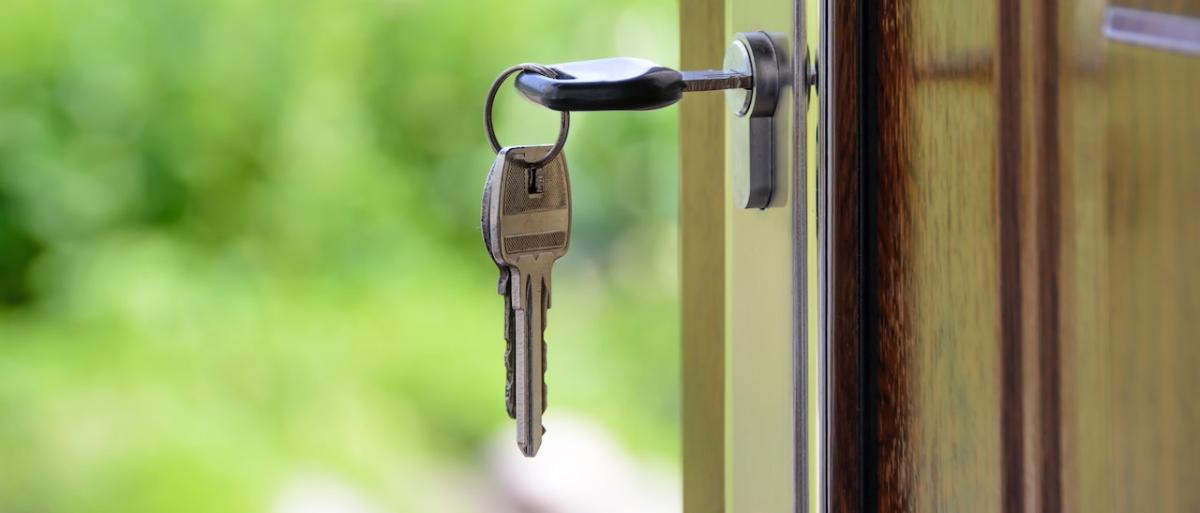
619, 83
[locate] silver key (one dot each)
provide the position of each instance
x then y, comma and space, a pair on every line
502, 287
531, 229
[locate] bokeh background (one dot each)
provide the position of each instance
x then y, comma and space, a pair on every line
241, 270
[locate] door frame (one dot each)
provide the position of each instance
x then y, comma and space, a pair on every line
727, 460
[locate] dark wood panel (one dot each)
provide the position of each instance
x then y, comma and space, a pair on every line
917, 315
942, 153
839, 129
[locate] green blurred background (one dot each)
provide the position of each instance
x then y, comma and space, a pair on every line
239, 248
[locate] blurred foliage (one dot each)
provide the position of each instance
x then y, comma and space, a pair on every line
239, 241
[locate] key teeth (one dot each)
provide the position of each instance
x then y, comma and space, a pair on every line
509, 381
509, 405
510, 363
545, 401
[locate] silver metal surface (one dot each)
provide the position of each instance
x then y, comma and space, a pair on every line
714, 80
826, 100
802, 73
530, 227
737, 59
1153, 29
753, 129
565, 118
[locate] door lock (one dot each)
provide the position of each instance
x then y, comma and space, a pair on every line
752, 130
756, 71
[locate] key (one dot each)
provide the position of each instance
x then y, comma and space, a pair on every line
530, 230
502, 287
757, 70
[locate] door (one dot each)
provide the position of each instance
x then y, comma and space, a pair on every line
1012, 294
980, 294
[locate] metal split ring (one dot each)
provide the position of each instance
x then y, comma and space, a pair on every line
491, 97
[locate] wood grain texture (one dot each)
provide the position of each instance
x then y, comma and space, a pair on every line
946, 161
915, 273
702, 262
1014, 294
842, 200
1131, 290
1153, 175
1087, 386
1044, 463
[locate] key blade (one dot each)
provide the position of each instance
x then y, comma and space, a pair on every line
530, 371
714, 80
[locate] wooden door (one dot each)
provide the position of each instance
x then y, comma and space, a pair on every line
1011, 247
1003, 254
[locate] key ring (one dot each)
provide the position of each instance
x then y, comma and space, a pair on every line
491, 97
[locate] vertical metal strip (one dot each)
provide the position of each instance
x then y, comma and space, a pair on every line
824, 124
800, 255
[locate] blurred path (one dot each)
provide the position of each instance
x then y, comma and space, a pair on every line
580, 469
